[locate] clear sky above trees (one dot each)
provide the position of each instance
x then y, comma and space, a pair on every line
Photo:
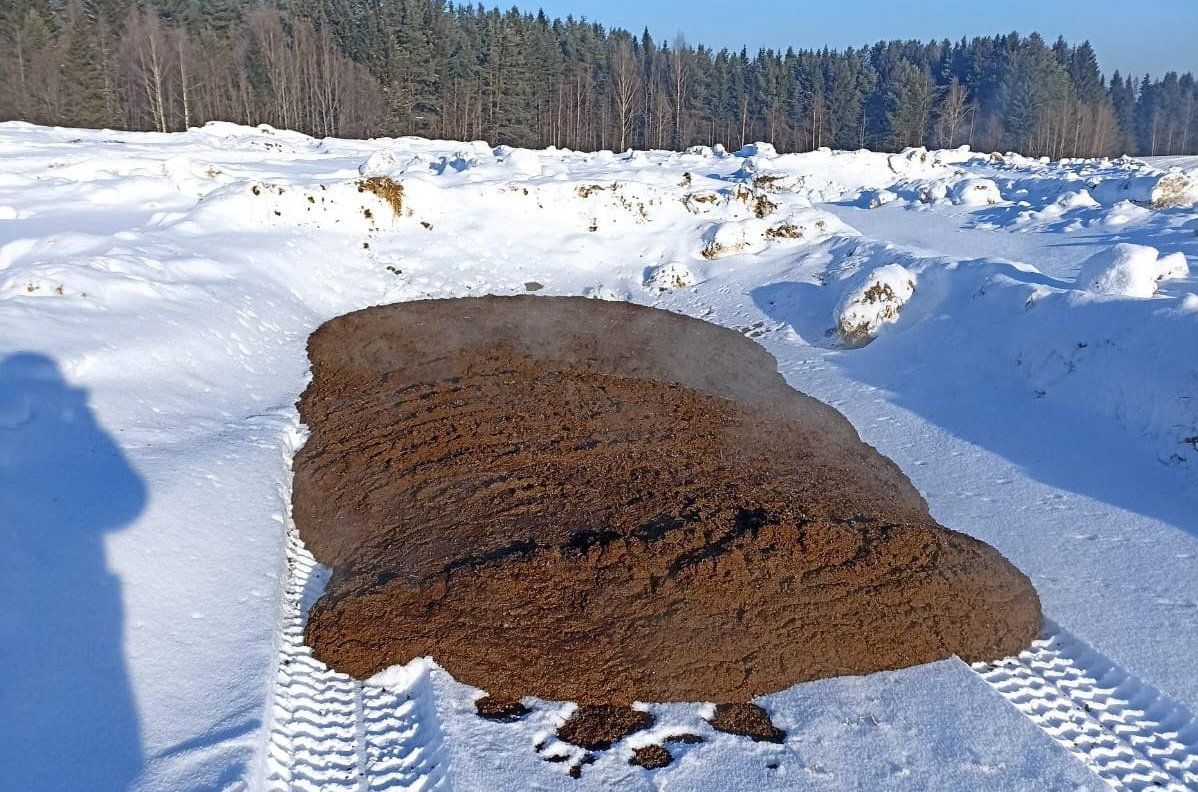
1133, 36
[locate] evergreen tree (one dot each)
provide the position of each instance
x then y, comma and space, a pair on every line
1123, 99
83, 72
911, 105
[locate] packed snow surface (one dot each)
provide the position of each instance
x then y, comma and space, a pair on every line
1031, 367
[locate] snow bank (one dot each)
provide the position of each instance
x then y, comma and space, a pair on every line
1127, 270
876, 300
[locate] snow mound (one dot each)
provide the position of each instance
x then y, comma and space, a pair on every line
875, 301
1127, 270
931, 192
1066, 202
916, 161
881, 198
703, 201
523, 161
380, 163
669, 276
755, 234
1125, 213
1151, 188
758, 149
777, 181
975, 192
1076, 199
735, 236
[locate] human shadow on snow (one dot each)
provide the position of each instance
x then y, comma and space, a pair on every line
69, 720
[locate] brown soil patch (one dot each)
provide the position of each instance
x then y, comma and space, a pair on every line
651, 757
747, 720
598, 502
597, 727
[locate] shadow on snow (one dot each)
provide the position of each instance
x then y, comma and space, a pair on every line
69, 719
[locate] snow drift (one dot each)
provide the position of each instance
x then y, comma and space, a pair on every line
1127, 270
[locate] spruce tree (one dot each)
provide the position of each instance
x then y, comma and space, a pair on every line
82, 72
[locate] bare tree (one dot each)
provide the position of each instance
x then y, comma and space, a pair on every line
182, 61
679, 82
626, 78
954, 106
280, 62
146, 50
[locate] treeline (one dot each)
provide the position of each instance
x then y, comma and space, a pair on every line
357, 68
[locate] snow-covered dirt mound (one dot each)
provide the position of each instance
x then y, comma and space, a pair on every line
1127, 270
671, 275
876, 300
1152, 188
975, 192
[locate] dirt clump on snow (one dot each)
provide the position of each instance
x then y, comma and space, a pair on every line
596, 727
747, 720
651, 757
386, 188
496, 709
599, 502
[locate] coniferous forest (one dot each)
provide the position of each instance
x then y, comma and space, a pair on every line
358, 68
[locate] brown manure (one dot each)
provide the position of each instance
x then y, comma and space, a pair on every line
596, 727
747, 720
651, 757
492, 708
605, 503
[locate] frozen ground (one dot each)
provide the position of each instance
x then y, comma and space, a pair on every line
156, 292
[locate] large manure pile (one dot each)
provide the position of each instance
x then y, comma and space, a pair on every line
601, 502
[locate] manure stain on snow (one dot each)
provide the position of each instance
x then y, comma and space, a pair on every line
605, 503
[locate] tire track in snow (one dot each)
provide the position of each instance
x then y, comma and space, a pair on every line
329, 732
1129, 733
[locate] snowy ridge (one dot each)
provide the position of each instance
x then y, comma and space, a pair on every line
1128, 732
329, 732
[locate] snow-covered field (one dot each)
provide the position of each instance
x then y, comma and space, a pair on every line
1021, 337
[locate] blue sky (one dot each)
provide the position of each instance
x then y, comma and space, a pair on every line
1134, 36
